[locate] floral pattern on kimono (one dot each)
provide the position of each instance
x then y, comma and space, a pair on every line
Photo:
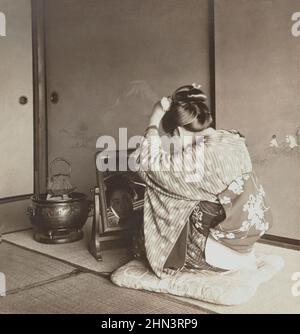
248, 215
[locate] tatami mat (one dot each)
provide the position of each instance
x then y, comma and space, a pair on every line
274, 296
88, 293
74, 253
24, 268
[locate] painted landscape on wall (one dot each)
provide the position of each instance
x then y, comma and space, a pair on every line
258, 93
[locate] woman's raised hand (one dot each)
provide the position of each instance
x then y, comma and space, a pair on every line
157, 114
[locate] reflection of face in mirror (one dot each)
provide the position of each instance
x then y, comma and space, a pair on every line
120, 196
120, 203
124, 198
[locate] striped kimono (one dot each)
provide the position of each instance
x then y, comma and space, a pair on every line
223, 178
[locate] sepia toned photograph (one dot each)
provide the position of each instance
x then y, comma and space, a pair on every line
150, 160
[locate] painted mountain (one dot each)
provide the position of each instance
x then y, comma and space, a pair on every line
137, 100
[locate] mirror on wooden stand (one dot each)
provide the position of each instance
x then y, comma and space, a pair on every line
118, 203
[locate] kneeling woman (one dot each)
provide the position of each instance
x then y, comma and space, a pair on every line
208, 217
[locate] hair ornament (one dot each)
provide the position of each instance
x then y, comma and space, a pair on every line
196, 86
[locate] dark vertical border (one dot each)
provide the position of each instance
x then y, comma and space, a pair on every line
39, 96
212, 58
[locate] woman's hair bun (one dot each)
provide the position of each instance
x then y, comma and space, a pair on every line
189, 93
187, 104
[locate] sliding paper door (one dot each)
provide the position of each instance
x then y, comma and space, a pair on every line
258, 93
16, 110
109, 61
